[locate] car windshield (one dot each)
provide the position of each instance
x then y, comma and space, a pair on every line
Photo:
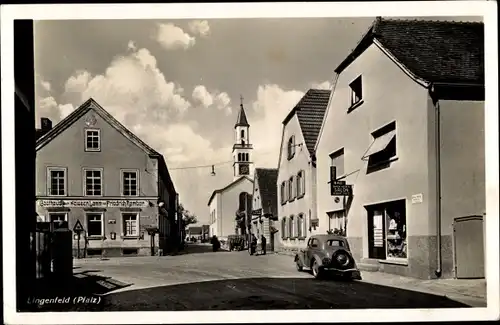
335, 243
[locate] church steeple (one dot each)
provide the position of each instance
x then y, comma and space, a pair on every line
242, 149
242, 117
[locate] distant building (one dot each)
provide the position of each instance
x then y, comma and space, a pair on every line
226, 202
194, 231
405, 128
92, 170
264, 206
297, 169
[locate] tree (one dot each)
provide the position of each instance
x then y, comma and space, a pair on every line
188, 218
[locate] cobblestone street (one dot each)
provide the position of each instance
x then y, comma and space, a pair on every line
203, 280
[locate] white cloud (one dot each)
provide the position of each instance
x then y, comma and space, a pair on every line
66, 109
46, 85
220, 100
131, 46
199, 27
49, 108
271, 107
203, 96
172, 37
78, 82
322, 85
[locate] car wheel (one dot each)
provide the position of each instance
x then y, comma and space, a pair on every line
316, 271
299, 266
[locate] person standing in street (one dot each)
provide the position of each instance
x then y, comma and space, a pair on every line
253, 245
263, 242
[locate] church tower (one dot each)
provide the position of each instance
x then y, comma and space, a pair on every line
242, 149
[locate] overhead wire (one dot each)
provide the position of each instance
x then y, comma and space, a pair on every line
215, 164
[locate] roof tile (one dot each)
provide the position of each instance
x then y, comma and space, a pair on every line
437, 51
310, 111
267, 179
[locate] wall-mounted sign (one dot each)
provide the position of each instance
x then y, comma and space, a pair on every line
112, 221
340, 189
257, 212
93, 203
417, 198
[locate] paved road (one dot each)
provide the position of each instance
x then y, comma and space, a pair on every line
203, 280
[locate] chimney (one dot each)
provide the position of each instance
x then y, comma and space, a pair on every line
46, 124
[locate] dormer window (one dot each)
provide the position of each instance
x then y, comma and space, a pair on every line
356, 89
92, 140
291, 147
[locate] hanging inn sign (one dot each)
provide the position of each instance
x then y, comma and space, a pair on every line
338, 188
93, 203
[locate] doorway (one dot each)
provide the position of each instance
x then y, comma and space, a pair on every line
376, 234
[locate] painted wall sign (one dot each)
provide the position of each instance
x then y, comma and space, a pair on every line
93, 203
417, 198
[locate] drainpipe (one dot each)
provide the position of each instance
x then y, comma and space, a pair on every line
438, 271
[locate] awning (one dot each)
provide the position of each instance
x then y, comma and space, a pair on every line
380, 143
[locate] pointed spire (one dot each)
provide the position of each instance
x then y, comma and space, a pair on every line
242, 117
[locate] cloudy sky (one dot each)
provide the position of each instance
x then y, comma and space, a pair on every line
177, 84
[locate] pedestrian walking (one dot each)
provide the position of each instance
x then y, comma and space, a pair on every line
215, 243
263, 243
253, 244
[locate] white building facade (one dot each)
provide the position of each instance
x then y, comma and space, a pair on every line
296, 182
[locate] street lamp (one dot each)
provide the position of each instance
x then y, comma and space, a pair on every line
213, 171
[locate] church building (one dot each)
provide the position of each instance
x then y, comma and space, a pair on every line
234, 199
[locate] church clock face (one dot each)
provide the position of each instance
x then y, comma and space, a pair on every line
244, 169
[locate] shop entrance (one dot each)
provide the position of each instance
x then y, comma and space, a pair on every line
387, 230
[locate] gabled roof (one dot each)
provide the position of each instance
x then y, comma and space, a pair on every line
266, 179
242, 118
236, 181
91, 104
435, 51
310, 112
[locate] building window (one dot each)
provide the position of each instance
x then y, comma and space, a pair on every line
93, 182
337, 161
283, 228
291, 230
356, 89
246, 157
382, 151
301, 184
292, 188
387, 230
130, 183
130, 224
283, 192
242, 133
300, 226
337, 223
92, 140
58, 217
291, 147
95, 225
56, 181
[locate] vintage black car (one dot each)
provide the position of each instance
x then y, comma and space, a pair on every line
328, 254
